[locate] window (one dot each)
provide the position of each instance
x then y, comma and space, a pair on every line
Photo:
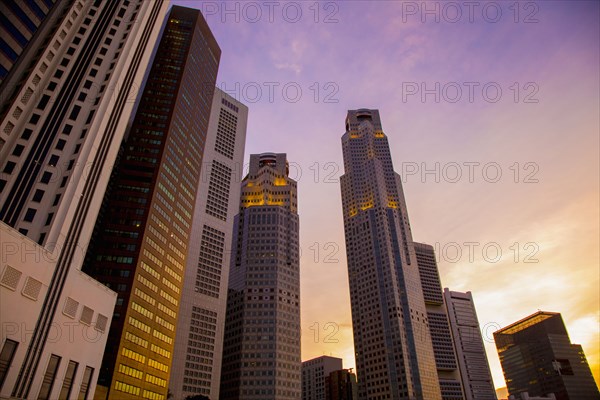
18, 150
46, 176
43, 102
9, 167
85, 383
65, 391
26, 134
49, 377
37, 197
90, 117
34, 119
53, 162
49, 219
6, 356
75, 113
60, 144
30, 214
56, 199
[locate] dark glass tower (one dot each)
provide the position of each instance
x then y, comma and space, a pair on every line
141, 238
537, 357
261, 349
393, 346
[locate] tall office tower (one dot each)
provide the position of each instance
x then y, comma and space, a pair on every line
63, 118
470, 351
199, 340
341, 385
439, 327
261, 349
141, 237
394, 352
537, 357
314, 374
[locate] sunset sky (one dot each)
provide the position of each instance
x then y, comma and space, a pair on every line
541, 134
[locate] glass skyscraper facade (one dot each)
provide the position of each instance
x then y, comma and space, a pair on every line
537, 357
141, 238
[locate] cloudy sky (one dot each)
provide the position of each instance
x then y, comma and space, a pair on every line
492, 115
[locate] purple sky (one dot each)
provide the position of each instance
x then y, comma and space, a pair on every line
541, 133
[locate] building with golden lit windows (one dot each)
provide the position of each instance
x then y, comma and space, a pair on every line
141, 238
261, 350
393, 346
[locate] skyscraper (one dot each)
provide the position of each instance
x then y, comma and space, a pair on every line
261, 350
65, 108
341, 385
470, 351
199, 341
443, 346
141, 237
314, 374
394, 351
537, 357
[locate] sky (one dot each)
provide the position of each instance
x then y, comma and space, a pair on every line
492, 114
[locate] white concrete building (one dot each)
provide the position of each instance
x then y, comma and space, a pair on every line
470, 351
196, 367
66, 106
